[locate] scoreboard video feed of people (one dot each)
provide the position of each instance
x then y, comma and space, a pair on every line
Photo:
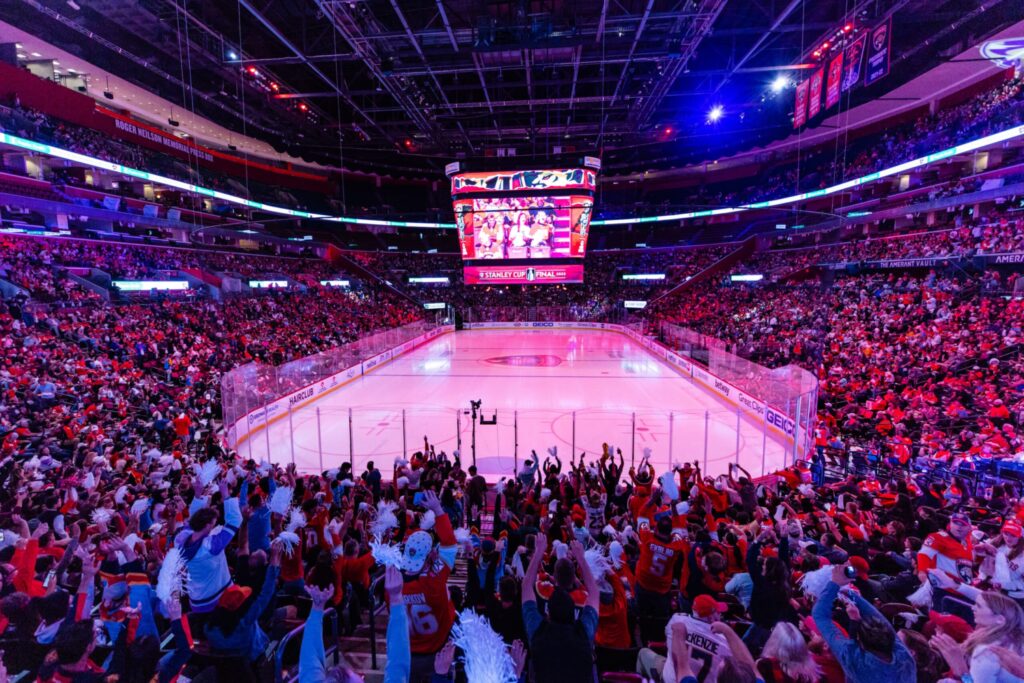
524, 227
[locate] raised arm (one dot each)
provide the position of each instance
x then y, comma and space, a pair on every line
589, 580
540, 546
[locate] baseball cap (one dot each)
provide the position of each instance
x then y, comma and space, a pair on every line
959, 517
416, 550
861, 565
950, 624
234, 597
1012, 528
705, 605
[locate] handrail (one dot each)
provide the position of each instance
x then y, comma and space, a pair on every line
279, 653
372, 609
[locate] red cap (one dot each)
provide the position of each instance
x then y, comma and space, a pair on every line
950, 624
1012, 528
705, 605
234, 597
861, 565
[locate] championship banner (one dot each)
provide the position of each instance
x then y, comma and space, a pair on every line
879, 47
522, 275
814, 97
835, 75
852, 63
800, 110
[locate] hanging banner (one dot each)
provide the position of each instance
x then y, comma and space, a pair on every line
879, 47
835, 75
852, 63
814, 96
800, 110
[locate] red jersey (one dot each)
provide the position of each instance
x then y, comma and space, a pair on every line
943, 552
657, 560
430, 609
613, 620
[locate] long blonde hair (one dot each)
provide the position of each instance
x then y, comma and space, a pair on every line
787, 646
1009, 635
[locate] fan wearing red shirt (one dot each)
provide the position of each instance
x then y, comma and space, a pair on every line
425, 591
660, 552
949, 551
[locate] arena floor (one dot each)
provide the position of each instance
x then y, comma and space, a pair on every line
536, 379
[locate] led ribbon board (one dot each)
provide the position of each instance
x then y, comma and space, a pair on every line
40, 148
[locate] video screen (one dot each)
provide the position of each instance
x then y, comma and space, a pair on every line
514, 181
523, 227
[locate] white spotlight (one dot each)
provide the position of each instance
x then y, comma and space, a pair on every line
715, 114
779, 84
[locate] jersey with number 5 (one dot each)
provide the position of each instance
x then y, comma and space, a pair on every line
657, 561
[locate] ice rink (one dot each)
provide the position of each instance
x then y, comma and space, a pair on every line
551, 387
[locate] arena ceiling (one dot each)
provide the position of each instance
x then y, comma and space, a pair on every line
408, 85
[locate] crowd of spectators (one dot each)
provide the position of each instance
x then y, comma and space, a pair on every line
135, 544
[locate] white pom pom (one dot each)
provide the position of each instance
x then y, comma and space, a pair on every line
132, 540
427, 520
386, 518
922, 597
461, 535
207, 472
89, 483
101, 516
119, 495
386, 554
647, 453
669, 486
616, 554
173, 575
598, 562
545, 495
264, 467
140, 506
289, 540
815, 582
403, 482
682, 507
487, 660
296, 520
553, 451
609, 531
281, 500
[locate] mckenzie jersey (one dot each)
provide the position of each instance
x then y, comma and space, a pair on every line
943, 552
657, 560
430, 609
708, 650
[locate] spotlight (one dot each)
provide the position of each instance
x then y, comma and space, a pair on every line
847, 28
109, 95
779, 84
172, 122
715, 113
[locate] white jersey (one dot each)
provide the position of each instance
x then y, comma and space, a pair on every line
707, 650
